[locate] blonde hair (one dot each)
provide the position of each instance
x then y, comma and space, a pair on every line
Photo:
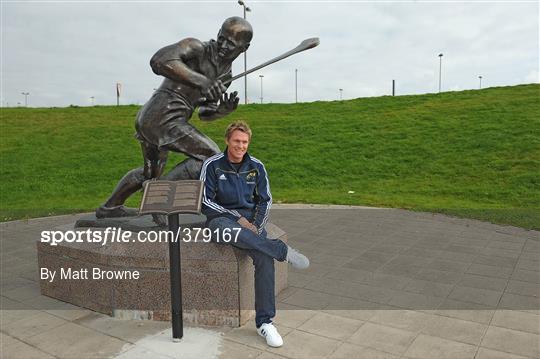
237, 125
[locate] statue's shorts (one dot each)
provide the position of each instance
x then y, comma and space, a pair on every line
163, 123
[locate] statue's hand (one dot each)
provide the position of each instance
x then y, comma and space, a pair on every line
211, 106
213, 91
228, 103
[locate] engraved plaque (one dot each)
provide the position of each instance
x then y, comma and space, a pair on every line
168, 197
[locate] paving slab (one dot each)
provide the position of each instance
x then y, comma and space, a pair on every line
523, 288
292, 316
482, 282
484, 353
467, 311
414, 301
383, 338
512, 341
196, 343
348, 351
428, 347
16, 349
24, 292
528, 264
331, 326
513, 319
429, 288
520, 302
413, 321
455, 329
353, 308
32, 325
526, 276
476, 295
268, 355
305, 345
71, 340
127, 330
232, 350
489, 270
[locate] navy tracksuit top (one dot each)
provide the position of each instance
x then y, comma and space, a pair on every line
234, 194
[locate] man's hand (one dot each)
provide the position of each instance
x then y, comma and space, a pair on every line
213, 90
247, 224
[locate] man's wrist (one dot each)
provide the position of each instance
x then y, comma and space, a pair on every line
243, 221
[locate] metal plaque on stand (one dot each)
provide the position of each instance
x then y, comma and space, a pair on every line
173, 198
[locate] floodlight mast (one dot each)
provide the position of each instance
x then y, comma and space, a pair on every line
26, 94
295, 85
440, 71
246, 9
261, 76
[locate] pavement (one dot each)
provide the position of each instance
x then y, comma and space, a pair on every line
383, 283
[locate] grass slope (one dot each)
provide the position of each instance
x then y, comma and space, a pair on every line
473, 153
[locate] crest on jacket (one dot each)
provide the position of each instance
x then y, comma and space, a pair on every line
251, 176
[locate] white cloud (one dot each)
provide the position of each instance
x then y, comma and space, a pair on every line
532, 77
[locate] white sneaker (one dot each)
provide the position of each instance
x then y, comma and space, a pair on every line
296, 259
268, 331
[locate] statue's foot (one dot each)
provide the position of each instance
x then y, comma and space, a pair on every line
160, 220
115, 212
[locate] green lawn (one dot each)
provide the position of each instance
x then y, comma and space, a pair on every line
472, 154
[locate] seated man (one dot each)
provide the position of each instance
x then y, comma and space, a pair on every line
237, 195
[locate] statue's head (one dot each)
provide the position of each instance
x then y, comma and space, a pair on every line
233, 38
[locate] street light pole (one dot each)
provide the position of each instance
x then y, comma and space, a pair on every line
296, 85
25, 98
246, 9
440, 70
480, 78
118, 91
340, 94
261, 76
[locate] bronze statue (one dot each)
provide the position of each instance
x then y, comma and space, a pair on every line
197, 74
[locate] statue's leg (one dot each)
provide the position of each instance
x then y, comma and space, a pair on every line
199, 147
154, 163
154, 160
190, 168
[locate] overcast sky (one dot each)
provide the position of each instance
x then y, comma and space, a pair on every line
64, 52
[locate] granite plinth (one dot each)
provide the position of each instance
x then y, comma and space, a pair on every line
138, 223
217, 279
